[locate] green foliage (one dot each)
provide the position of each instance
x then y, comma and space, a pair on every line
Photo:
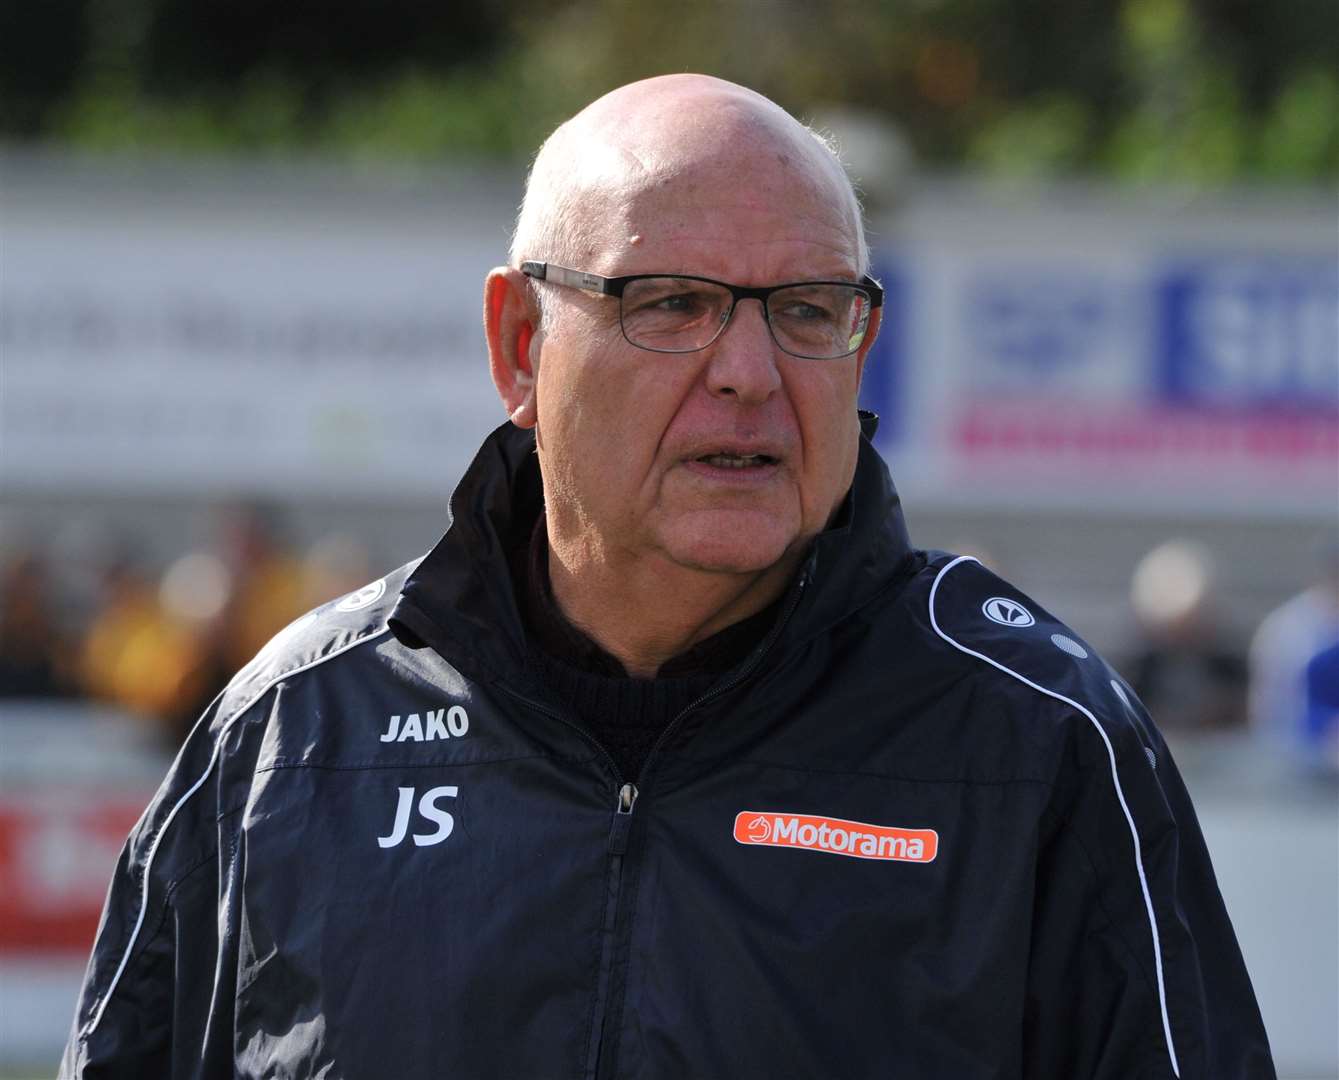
1034, 139
420, 115
1300, 135
1143, 90
263, 117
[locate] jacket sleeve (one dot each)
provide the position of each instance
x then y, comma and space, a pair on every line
1135, 972
156, 988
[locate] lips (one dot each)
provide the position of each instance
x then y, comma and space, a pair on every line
734, 450
728, 460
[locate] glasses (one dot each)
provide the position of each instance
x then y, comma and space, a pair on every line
677, 313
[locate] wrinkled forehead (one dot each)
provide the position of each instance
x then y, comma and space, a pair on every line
735, 210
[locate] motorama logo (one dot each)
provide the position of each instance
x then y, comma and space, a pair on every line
760, 829
836, 836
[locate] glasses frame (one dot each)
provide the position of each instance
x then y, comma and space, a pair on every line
615, 286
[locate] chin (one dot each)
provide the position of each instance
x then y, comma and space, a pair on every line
729, 562
730, 546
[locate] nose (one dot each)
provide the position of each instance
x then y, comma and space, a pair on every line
742, 360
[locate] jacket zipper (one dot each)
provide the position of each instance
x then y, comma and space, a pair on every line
620, 828
617, 845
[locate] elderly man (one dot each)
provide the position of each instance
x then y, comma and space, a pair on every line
673, 758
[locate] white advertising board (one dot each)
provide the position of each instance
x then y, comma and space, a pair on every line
302, 339
312, 347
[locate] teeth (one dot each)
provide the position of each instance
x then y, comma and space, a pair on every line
735, 461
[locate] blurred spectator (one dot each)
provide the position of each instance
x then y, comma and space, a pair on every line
163, 652
268, 590
142, 657
1189, 675
1291, 678
32, 649
1322, 707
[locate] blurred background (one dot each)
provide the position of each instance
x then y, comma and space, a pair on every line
243, 246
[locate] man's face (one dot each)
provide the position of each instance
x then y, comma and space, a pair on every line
728, 459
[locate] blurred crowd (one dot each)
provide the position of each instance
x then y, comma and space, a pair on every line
160, 642
1196, 673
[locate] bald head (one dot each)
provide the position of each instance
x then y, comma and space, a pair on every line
689, 130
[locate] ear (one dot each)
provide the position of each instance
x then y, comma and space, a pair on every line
875, 321
510, 317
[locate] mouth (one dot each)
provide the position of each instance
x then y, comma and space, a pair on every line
725, 459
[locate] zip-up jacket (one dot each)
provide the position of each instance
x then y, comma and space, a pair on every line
921, 831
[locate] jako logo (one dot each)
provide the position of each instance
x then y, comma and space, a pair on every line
1006, 612
836, 836
364, 597
434, 724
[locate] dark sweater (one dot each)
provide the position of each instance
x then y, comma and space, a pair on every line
626, 715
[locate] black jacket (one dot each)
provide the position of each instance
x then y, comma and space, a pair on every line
922, 831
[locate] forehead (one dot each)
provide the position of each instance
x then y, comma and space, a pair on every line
754, 206
757, 232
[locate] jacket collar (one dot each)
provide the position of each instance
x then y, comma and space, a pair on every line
460, 599
862, 553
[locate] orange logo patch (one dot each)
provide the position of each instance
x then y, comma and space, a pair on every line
836, 836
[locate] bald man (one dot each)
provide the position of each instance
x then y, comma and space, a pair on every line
674, 758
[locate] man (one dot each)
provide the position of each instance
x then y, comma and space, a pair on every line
1283, 707
674, 759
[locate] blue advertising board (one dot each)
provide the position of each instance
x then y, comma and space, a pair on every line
1248, 332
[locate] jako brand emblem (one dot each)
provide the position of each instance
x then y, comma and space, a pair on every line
836, 836
433, 724
364, 597
1006, 612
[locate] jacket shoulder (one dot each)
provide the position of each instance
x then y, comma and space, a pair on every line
985, 618
312, 639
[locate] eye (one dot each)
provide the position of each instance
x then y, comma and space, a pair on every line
809, 304
679, 302
804, 310
673, 301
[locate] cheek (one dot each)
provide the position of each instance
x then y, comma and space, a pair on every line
572, 394
825, 406
602, 416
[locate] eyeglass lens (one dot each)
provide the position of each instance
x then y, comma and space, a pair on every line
682, 315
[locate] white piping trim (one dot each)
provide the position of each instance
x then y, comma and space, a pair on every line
1120, 795
87, 1033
